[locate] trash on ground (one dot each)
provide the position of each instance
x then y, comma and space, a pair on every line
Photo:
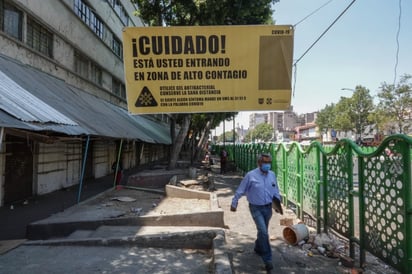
124, 199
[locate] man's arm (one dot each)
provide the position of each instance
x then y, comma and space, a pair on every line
241, 190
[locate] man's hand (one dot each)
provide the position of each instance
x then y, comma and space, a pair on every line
277, 206
232, 208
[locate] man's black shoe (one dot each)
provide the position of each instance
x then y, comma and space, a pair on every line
268, 266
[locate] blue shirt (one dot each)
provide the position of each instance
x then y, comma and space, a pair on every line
259, 188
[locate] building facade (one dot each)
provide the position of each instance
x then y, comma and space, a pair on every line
63, 118
256, 119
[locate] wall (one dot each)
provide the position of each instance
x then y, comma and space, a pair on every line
70, 34
58, 166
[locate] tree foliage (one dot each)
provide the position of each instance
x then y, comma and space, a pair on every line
204, 12
396, 102
227, 137
350, 113
261, 133
360, 108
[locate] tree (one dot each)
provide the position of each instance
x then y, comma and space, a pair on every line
379, 119
350, 113
228, 136
261, 133
396, 102
325, 118
202, 123
361, 105
195, 12
179, 139
206, 12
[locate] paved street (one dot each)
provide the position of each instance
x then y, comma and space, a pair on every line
240, 234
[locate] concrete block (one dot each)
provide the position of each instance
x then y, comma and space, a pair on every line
286, 221
179, 192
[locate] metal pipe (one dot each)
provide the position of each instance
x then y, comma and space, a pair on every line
1, 138
83, 168
117, 162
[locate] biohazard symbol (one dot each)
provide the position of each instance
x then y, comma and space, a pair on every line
145, 99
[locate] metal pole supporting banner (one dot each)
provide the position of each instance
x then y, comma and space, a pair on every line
83, 168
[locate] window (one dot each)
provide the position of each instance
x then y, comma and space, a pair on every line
118, 88
117, 47
120, 11
96, 74
88, 69
89, 17
11, 20
81, 65
39, 38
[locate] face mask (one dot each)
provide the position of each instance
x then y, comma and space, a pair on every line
265, 167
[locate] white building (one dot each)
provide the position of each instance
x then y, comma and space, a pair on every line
256, 119
63, 113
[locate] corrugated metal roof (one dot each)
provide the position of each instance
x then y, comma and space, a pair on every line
21, 104
9, 121
154, 128
89, 115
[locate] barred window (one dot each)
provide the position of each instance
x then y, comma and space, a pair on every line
89, 17
120, 11
81, 64
11, 20
117, 47
118, 88
39, 38
96, 74
88, 69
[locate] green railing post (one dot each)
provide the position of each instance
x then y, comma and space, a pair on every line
349, 172
319, 184
299, 176
361, 209
406, 149
284, 174
325, 192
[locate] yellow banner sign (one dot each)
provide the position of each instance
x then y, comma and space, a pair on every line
208, 68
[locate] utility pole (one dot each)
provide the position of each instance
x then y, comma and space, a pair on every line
359, 111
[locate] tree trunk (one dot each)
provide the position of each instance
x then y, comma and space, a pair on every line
179, 140
202, 141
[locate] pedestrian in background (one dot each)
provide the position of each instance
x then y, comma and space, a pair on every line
223, 160
118, 171
261, 189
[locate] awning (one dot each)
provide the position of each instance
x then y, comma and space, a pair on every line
33, 100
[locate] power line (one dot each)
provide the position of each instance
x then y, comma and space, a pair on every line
397, 43
312, 13
317, 40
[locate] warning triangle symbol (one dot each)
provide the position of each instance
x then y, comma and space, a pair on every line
145, 99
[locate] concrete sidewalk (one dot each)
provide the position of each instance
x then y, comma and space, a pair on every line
177, 249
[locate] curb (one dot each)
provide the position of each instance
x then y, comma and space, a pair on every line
204, 239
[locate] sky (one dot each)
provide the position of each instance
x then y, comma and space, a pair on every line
359, 49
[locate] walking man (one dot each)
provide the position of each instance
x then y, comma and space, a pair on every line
261, 189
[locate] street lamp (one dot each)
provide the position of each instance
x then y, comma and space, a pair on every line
359, 114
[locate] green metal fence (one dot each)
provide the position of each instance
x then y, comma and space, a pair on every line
364, 194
